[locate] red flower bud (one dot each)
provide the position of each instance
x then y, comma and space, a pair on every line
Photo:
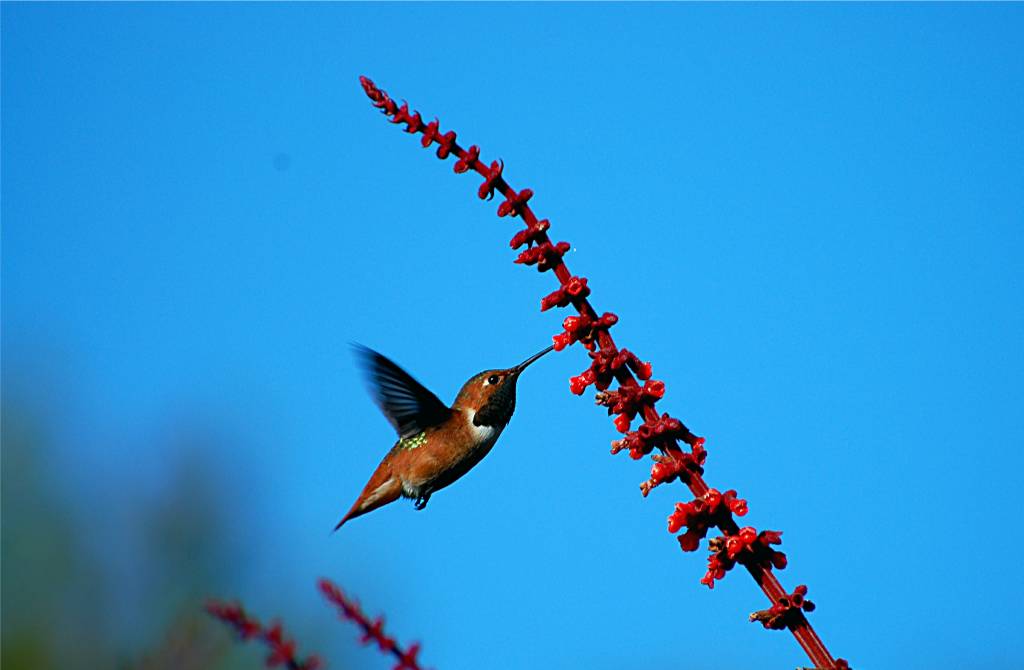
514, 203
689, 541
468, 160
486, 190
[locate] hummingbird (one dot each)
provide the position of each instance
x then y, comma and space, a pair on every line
437, 444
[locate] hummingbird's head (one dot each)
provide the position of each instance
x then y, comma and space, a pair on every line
490, 396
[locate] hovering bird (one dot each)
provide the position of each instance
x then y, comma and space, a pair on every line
436, 444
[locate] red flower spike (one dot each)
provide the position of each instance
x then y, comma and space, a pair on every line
514, 204
373, 631
491, 181
758, 557
468, 160
281, 649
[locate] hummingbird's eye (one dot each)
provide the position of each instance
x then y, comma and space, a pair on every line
493, 379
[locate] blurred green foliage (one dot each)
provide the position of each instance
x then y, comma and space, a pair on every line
63, 607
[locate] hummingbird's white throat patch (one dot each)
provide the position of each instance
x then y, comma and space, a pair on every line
482, 435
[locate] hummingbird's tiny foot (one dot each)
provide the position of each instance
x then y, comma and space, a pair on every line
421, 502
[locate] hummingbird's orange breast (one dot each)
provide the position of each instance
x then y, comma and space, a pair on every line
443, 454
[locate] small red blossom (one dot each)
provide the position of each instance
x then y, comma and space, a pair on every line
446, 144
605, 364
514, 203
413, 122
575, 288
468, 159
545, 255
529, 235
786, 611
746, 545
583, 329
703, 513
660, 432
628, 401
491, 181
430, 133
672, 464
407, 661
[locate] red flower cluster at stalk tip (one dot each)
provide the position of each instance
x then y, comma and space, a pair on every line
609, 365
282, 650
373, 631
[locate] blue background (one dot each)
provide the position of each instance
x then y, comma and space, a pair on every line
807, 216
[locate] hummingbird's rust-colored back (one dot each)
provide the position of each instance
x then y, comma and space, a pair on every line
437, 444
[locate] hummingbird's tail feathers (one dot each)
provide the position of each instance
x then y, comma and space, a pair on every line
376, 494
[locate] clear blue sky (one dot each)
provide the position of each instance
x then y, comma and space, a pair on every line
809, 217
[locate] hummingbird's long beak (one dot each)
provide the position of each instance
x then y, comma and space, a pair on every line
522, 366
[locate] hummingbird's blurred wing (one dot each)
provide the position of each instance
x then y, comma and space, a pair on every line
406, 403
